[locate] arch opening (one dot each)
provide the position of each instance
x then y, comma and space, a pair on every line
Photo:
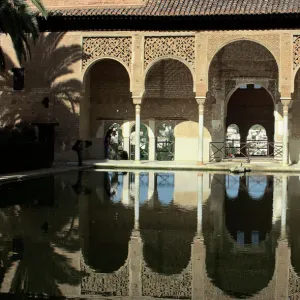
144, 142
252, 110
107, 100
242, 69
169, 99
165, 141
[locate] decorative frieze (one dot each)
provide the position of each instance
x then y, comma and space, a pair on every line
296, 45
294, 284
111, 47
182, 47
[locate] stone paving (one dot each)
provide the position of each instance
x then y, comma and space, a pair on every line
254, 166
57, 168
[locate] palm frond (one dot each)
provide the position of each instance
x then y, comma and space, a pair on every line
41, 8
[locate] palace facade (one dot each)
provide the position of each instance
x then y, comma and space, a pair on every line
194, 67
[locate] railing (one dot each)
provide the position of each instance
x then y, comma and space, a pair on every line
165, 150
231, 149
144, 154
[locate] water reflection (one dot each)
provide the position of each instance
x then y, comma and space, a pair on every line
165, 235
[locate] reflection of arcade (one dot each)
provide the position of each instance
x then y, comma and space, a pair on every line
109, 225
240, 247
250, 220
157, 237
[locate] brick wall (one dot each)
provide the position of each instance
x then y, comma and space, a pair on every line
53, 72
169, 92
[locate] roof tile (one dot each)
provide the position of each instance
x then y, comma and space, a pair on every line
191, 7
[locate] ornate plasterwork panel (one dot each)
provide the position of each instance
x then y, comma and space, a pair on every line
218, 41
182, 47
113, 284
162, 286
213, 292
294, 285
296, 56
114, 47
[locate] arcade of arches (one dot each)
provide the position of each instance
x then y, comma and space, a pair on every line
197, 82
243, 88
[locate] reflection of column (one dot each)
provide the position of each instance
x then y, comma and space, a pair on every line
201, 101
136, 200
199, 206
285, 154
284, 206
135, 255
151, 187
198, 249
137, 131
126, 190
151, 140
277, 199
198, 269
283, 253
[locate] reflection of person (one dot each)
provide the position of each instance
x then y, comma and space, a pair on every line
79, 188
114, 185
111, 184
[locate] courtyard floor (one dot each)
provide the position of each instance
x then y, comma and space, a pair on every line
254, 165
264, 166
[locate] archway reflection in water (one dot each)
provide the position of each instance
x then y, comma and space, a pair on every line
165, 235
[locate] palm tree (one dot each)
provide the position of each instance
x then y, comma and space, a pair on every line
19, 21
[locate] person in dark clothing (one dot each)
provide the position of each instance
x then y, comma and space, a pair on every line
78, 147
107, 143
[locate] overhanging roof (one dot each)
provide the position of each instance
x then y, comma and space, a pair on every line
188, 8
179, 15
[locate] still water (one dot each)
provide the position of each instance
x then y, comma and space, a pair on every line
181, 235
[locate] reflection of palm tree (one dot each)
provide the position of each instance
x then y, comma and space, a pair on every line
45, 264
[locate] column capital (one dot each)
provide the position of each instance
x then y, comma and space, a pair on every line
286, 101
286, 104
200, 100
137, 100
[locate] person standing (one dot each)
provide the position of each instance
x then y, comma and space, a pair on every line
114, 143
107, 143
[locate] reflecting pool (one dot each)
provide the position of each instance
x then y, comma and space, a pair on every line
179, 235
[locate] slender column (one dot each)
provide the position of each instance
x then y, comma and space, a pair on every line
136, 200
285, 151
201, 102
151, 135
137, 132
126, 136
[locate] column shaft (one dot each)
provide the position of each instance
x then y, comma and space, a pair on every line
137, 131
201, 102
285, 141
